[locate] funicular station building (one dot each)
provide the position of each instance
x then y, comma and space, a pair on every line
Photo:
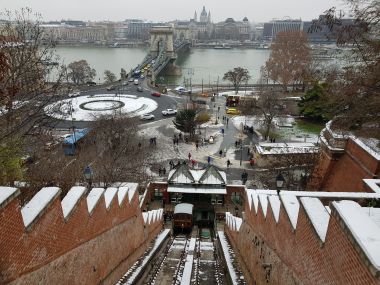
206, 189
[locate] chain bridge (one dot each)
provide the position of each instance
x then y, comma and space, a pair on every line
164, 49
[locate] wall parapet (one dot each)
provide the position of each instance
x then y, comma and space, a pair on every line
308, 230
46, 228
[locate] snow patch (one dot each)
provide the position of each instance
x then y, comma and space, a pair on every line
93, 198
318, 215
6, 193
71, 199
291, 206
109, 194
275, 205
38, 203
365, 231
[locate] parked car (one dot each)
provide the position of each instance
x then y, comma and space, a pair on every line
147, 117
168, 112
233, 111
74, 94
140, 89
136, 82
109, 88
130, 79
156, 94
91, 83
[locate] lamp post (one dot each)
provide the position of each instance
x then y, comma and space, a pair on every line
279, 182
88, 175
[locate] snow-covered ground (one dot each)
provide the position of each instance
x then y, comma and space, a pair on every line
286, 127
88, 108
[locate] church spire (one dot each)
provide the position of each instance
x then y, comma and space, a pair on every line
195, 16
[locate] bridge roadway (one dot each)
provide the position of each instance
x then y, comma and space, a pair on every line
159, 62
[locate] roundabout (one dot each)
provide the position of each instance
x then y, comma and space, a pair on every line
89, 108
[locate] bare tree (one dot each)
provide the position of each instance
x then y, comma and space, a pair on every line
355, 90
237, 76
289, 59
80, 72
109, 77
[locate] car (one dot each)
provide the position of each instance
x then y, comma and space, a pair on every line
91, 83
168, 112
139, 89
109, 88
136, 82
74, 94
156, 94
147, 117
233, 111
130, 79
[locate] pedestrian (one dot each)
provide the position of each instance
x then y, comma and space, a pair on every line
220, 153
163, 171
193, 162
223, 132
228, 163
208, 159
274, 140
252, 162
236, 144
171, 164
189, 155
227, 120
159, 171
196, 146
244, 177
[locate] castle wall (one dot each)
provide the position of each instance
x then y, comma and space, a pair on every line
80, 248
292, 250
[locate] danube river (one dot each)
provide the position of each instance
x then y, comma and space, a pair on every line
197, 64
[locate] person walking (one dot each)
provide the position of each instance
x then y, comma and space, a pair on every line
227, 120
209, 159
220, 153
189, 155
244, 177
223, 132
196, 145
228, 163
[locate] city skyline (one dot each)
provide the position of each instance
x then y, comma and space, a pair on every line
97, 10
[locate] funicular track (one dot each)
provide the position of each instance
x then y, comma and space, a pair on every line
207, 265
162, 270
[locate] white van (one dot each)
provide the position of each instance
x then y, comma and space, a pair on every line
136, 82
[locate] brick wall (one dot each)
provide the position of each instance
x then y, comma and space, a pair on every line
331, 172
83, 249
273, 252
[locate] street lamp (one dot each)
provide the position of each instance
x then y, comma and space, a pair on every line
279, 182
88, 175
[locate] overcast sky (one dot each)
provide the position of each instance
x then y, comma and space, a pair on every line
164, 10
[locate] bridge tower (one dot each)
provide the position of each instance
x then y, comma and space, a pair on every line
161, 37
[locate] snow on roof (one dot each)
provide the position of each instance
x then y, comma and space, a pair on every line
291, 206
233, 222
275, 205
252, 198
145, 217
370, 146
132, 190
38, 203
109, 194
318, 215
264, 203
93, 198
197, 190
184, 175
373, 213
71, 199
374, 184
364, 230
285, 148
184, 208
122, 193
6, 193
